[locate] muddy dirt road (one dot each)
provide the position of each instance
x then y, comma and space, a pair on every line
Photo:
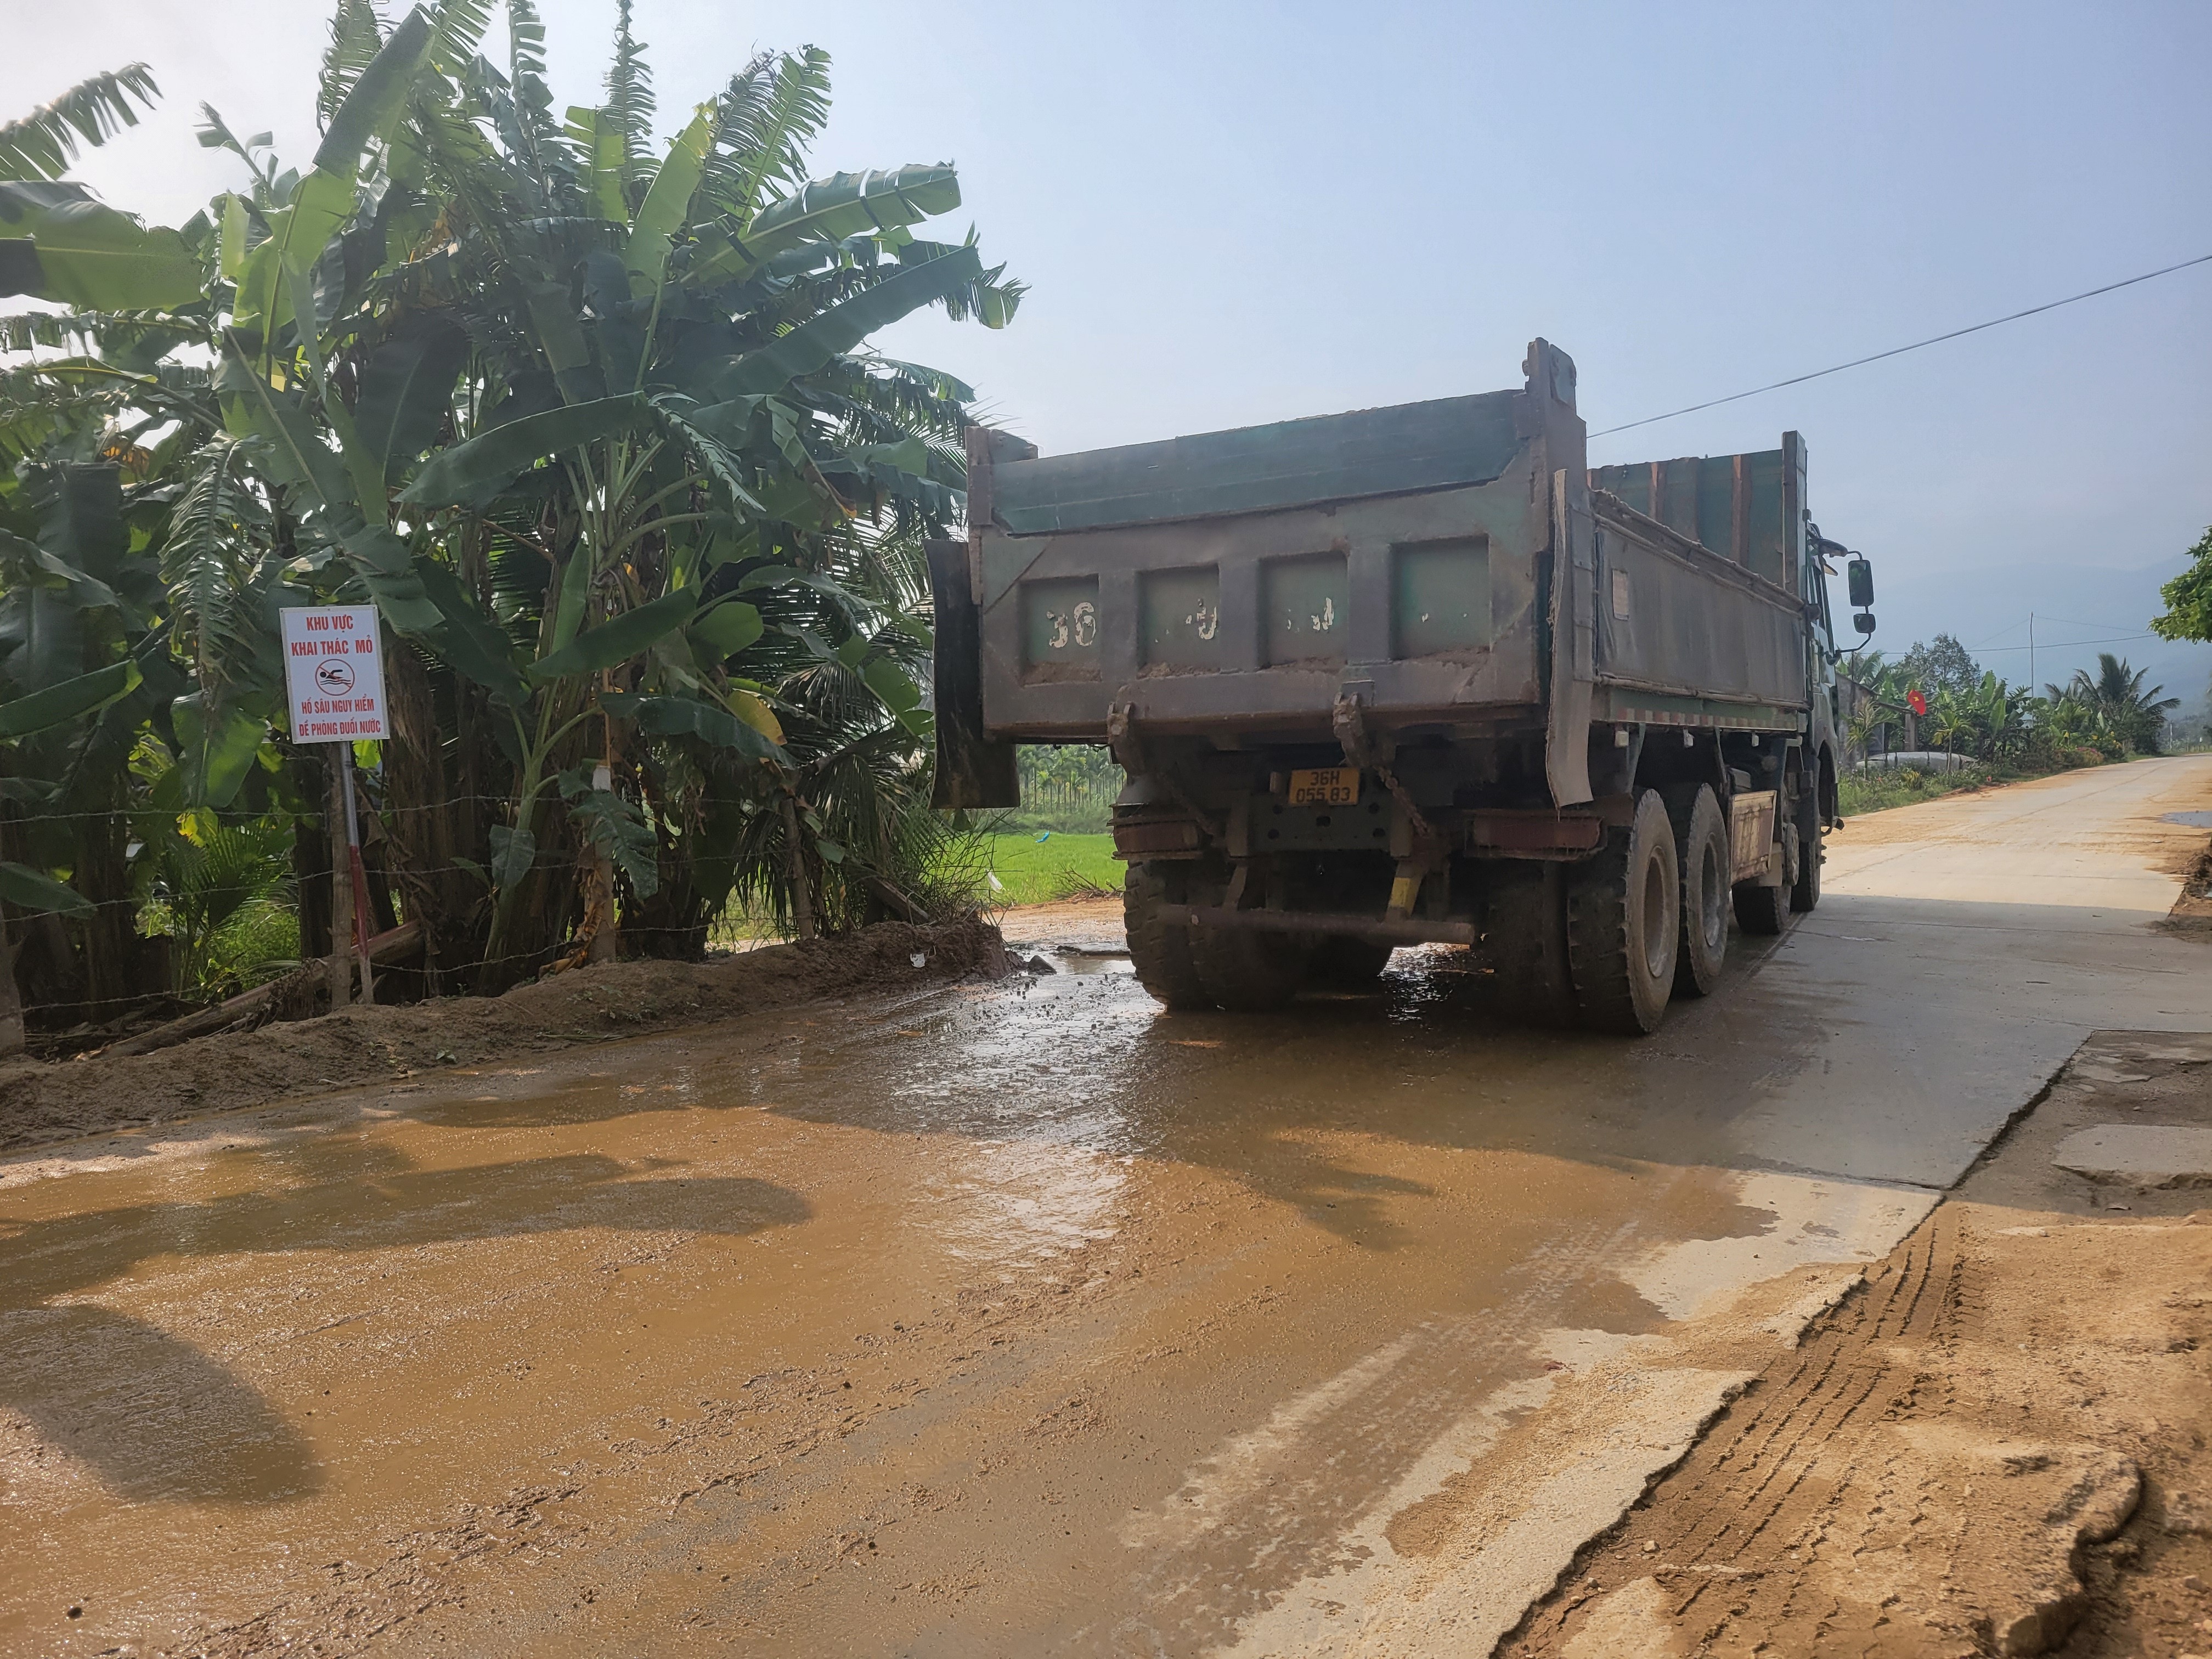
1021, 1317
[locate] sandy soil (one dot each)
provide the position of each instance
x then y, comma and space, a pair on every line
41, 1102
1998, 1446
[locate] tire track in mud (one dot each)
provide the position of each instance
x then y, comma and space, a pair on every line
1274, 1507
1793, 1418
1916, 1479
1778, 1466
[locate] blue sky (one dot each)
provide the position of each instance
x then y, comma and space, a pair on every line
1231, 212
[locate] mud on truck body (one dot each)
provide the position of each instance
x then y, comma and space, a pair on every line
1411, 675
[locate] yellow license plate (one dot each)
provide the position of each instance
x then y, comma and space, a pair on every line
1326, 786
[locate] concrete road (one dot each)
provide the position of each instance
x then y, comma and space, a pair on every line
1023, 1317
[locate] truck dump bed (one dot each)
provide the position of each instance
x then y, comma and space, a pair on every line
1445, 565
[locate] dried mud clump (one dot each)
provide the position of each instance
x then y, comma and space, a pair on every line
43, 1102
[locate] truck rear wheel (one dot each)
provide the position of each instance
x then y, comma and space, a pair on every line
1160, 951
1701, 847
1623, 924
1345, 964
1525, 942
1805, 893
1761, 909
1247, 972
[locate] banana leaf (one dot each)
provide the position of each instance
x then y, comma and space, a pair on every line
814, 345
42, 144
407, 392
614, 826
58, 704
297, 456
828, 209
727, 628
86, 593
618, 638
56, 243
217, 758
374, 104
474, 474
600, 142
667, 204
40, 893
323, 199
692, 717
751, 707
561, 336
512, 853
470, 642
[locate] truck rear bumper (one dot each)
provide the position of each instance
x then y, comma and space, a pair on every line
1411, 931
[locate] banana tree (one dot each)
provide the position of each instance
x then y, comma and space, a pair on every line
593, 420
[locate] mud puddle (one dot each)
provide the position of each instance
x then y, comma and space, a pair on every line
1017, 1316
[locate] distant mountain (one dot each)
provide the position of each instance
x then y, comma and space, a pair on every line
1987, 611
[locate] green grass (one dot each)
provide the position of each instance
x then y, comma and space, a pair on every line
1032, 871
1875, 791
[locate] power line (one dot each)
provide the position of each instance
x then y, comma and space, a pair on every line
2076, 621
1989, 644
1896, 351
2066, 645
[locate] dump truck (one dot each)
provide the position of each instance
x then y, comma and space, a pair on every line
1414, 675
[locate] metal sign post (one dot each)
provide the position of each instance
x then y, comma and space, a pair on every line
334, 681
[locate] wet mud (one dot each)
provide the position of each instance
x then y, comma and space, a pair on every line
43, 1103
988, 1317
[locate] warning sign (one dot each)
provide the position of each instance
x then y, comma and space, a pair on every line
334, 673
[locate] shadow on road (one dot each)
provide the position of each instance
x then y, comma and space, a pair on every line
157, 1418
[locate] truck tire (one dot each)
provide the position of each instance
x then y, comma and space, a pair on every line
1761, 909
1341, 963
1701, 849
1623, 924
1160, 952
1525, 943
1249, 972
1805, 893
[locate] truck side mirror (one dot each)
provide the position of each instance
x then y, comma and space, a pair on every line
1859, 574
1863, 622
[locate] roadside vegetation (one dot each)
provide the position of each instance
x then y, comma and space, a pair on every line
2002, 732
1038, 866
1057, 844
590, 416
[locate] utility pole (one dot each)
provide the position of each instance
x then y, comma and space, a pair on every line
357, 876
2031, 653
339, 965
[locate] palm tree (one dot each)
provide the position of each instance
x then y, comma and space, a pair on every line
2134, 714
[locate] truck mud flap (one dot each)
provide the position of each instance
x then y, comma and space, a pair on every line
972, 770
1751, 836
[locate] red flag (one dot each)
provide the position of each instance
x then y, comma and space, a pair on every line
1915, 701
